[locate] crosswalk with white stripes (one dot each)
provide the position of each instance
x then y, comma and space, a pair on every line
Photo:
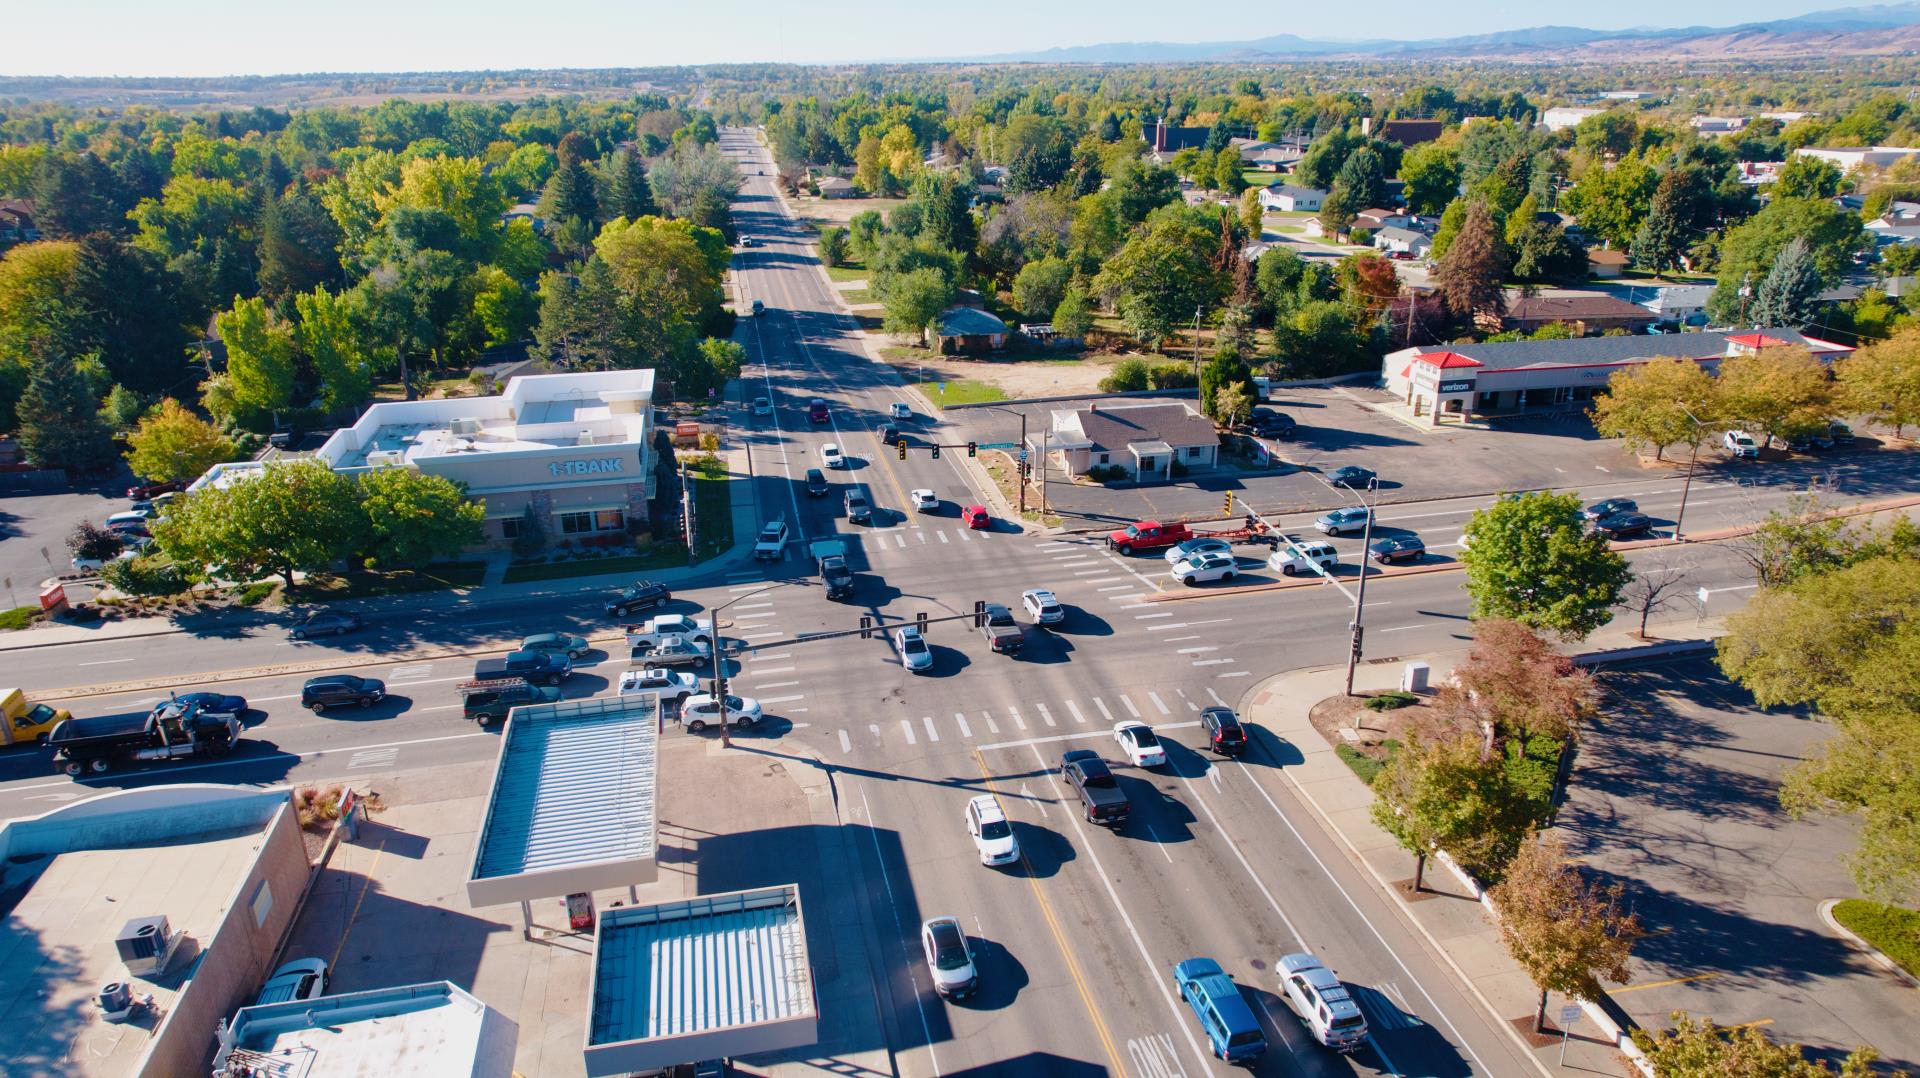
1092, 715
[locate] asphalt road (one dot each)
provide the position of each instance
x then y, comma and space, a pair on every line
1076, 943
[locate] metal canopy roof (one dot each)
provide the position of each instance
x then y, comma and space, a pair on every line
717, 976
572, 804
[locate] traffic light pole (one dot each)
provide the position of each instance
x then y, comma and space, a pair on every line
1360, 598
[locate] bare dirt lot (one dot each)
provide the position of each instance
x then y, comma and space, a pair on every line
1014, 377
838, 211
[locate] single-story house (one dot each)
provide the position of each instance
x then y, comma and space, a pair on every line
1587, 313
1512, 376
1265, 156
1604, 262
16, 221
1143, 440
1887, 234
1683, 303
1312, 227
968, 329
1403, 240
835, 187
1410, 132
1848, 158
1718, 125
1377, 218
1565, 116
1286, 198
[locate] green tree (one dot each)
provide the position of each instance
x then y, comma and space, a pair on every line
259, 359
1364, 176
413, 518
1789, 295
1882, 380
60, 424
1656, 404
94, 542
1778, 392
1227, 176
833, 247
629, 194
1447, 795
1431, 173
1037, 151
1223, 370
1569, 934
336, 343
1612, 202
1073, 316
505, 310
1470, 276
1040, 285
1680, 209
1806, 177
914, 299
298, 517
1161, 277
1832, 236
1698, 1048
1232, 403
1531, 559
122, 408
174, 445
1127, 376
569, 194
715, 363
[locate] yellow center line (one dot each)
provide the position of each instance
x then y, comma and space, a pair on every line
1662, 984
355, 916
1059, 938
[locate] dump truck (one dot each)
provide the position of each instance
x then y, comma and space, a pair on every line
174, 730
27, 723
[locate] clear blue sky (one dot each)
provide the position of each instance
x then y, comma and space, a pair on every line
232, 37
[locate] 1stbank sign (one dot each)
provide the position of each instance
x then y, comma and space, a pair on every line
570, 469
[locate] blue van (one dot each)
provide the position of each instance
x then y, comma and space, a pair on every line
1232, 1031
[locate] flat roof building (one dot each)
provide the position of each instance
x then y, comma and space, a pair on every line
431, 1030
1461, 380
166, 902
712, 977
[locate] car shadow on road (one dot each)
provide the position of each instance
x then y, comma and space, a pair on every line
947, 661
1042, 851
1268, 749
1081, 622
253, 761
1044, 649
1002, 976
391, 706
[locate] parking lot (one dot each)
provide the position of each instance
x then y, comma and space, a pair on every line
33, 533
1675, 794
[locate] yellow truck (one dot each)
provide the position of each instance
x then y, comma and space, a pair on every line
27, 723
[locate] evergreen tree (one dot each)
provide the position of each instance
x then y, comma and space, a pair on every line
1679, 204
1475, 264
569, 194
60, 422
1363, 174
1789, 295
1218, 136
629, 194
1109, 129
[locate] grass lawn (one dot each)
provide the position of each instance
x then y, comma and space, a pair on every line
658, 556
19, 617
857, 295
441, 575
1256, 178
1895, 931
713, 513
1364, 766
967, 391
847, 271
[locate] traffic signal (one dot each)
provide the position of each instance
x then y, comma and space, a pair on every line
1023, 469
979, 613
973, 448
936, 450
866, 627
921, 619
1226, 507
902, 446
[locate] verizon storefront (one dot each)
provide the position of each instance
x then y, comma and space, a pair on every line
572, 447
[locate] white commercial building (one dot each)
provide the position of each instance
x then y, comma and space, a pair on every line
1556, 119
1848, 158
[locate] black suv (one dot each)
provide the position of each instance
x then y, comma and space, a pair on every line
641, 595
488, 702
817, 485
340, 690
1225, 735
1271, 424
540, 667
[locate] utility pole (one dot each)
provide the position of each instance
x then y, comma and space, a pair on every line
1360, 597
1020, 472
1692, 455
1196, 348
686, 512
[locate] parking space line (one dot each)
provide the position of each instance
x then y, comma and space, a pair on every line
1211, 662
773, 670
1238, 673
877, 738
1115, 587
1198, 650
781, 699
778, 685
846, 746
942, 535
1162, 614
1662, 984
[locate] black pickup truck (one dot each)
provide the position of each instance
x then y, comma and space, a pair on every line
172, 731
1104, 800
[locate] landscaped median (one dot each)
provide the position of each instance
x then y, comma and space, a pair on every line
1891, 930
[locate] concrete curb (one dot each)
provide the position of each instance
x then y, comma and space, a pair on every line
1875, 953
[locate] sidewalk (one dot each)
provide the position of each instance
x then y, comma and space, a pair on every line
1448, 913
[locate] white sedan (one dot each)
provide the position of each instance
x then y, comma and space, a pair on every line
1205, 567
1139, 742
915, 655
762, 406
830, 455
898, 410
925, 501
1183, 551
1042, 607
702, 708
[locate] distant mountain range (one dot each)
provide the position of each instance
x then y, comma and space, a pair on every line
1880, 30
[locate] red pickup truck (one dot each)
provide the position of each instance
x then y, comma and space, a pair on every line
1147, 535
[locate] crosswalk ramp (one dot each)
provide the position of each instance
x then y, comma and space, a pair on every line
1027, 720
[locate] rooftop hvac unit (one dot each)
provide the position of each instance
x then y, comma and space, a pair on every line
145, 944
465, 428
586, 438
386, 458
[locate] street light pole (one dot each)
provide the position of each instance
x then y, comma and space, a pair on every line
1360, 596
1692, 455
719, 677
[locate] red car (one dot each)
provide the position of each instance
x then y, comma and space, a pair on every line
146, 492
977, 518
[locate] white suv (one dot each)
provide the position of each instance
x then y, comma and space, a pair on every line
1740, 444
1307, 557
992, 834
1322, 1003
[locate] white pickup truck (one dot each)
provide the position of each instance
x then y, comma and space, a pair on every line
672, 685
699, 630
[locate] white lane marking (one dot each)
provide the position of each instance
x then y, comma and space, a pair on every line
965, 538
1198, 650
1115, 587
900, 541
1159, 703
1169, 626
107, 662
1177, 639
757, 670
1211, 662
878, 739
1210, 621
1396, 628
965, 730
1216, 696
1075, 708
920, 534
761, 636
743, 587
754, 606
1017, 720
1155, 1056
1102, 705
1095, 574
1736, 587
906, 727
764, 656
408, 672
776, 685
1238, 673
1075, 561
1131, 710
932, 734
942, 535
846, 746
781, 699
372, 758
1046, 715
1053, 739
1131, 597
899, 930
756, 617
992, 727
1163, 614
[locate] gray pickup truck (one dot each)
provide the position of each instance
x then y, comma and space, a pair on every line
831, 556
1105, 802
1002, 632
671, 651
